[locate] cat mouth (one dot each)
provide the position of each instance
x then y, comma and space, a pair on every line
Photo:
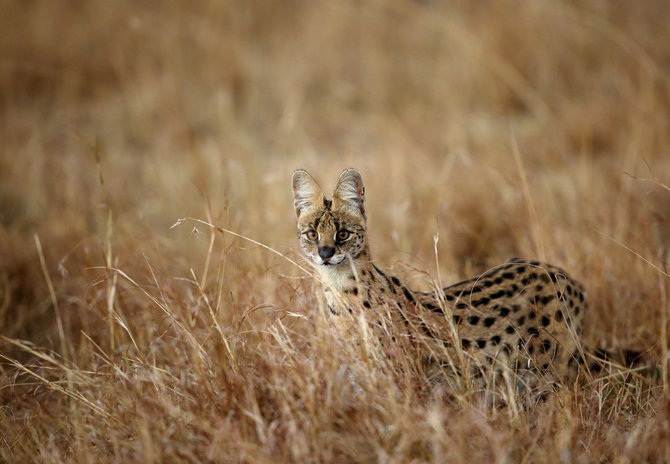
331, 262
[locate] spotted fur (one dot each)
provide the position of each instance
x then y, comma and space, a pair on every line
521, 316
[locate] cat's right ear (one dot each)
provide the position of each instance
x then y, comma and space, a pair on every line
305, 191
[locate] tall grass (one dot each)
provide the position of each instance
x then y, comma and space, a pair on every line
484, 130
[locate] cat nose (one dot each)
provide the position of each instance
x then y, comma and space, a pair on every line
326, 252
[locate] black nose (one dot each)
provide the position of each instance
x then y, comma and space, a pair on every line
326, 252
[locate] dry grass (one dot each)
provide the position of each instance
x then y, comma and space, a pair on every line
524, 128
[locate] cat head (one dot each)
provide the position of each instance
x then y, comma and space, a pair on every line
330, 231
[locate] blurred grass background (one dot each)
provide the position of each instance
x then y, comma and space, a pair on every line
518, 128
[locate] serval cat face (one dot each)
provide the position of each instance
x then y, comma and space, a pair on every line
330, 231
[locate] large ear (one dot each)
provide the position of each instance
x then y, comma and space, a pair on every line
305, 191
349, 192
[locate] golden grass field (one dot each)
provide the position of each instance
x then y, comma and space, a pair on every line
532, 128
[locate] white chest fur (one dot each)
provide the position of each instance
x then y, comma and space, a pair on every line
337, 277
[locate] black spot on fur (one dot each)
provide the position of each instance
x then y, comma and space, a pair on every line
558, 315
498, 294
481, 302
489, 321
465, 343
461, 305
581, 297
436, 309
544, 278
379, 271
449, 297
475, 289
386, 278
366, 304
547, 299
544, 321
481, 343
506, 348
456, 318
568, 290
508, 275
521, 320
545, 366
532, 315
408, 295
424, 328
520, 269
546, 346
476, 373
509, 329
539, 288
395, 280
533, 331
504, 311
473, 320
498, 280
516, 308
495, 339
487, 283
525, 281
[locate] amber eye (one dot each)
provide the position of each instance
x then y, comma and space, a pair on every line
311, 235
342, 235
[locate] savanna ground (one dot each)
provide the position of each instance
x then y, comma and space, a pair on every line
528, 128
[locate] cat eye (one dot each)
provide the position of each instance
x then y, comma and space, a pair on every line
311, 235
343, 235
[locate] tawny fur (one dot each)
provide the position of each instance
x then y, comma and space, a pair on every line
521, 316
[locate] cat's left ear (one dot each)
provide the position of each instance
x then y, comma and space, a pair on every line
349, 192
305, 191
